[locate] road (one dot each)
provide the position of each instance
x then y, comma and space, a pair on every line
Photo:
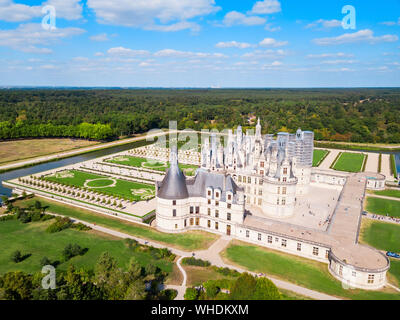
76, 152
212, 254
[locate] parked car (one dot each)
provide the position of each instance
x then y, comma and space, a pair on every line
393, 255
364, 213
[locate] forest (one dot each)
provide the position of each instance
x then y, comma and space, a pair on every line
351, 115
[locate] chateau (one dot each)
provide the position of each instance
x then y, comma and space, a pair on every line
265, 191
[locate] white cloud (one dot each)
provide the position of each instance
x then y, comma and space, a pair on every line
152, 14
265, 54
392, 23
234, 44
100, 37
325, 24
270, 28
266, 7
15, 12
339, 62
121, 51
182, 25
186, 54
236, 18
26, 37
360, 36
270, 42
330, 55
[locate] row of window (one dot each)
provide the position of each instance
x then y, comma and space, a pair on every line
197, 210
371, 277
284, 243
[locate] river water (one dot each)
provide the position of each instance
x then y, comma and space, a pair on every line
397, 158
63, 162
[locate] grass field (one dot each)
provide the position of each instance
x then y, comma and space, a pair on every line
188, 169
319, 156
186, 241
32, 239
304, 272
383, 206
381, 235
388, 193
134, 191
11, 151
350, 162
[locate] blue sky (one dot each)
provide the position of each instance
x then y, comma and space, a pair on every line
200, 43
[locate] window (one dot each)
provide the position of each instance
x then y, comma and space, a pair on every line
174, 213
240, 178
174, 202
176, 226
209, 211
197, 221
197, 210
262, 172
259, 201
209, 193
284, 170
185, 223
191, 210
276, 239
229, 197
298, 246
269, 239
217, 203
216, 213
229, 206
260, 182
340, 270
354, 274
209, 223
279, 190
260, 192
228, 216
315, 251
209, 201
277, 201
262, 164
326, 254
284, 179
191, 221
216, 225
247, 233
284, 190
371, 278
217, 194
259, 237
284, 243
248, 180
283, 202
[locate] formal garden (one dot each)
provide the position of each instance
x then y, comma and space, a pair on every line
157, 165
319, 156
133, 191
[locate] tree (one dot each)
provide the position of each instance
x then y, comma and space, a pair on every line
211, 289
243, 288
266, 290
191, 294
16, 256
16, 286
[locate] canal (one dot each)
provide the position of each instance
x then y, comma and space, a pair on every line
64, 162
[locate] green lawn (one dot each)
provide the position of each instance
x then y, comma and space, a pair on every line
383, 206
319, 156
304, 272
32, 239
186, 241
133, 191
388, 193
188, 169
350, 162
381, 235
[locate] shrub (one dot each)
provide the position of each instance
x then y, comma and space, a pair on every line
211, 289
195, 262
59, 225
72, 250
191, 294
45, 261
81, 227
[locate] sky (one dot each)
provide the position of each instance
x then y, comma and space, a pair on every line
200, 43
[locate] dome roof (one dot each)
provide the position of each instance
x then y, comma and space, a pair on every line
173, 187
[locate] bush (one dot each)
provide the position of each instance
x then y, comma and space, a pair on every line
81, 227
45, 261
195, 262
191, 294
227, 272
72, 250
59, 225
211, 289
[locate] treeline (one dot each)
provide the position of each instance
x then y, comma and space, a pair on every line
351, 115
22, 129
